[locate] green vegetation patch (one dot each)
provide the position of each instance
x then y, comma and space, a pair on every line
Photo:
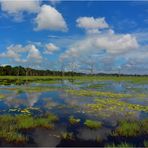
93, 124
128, 129
2, 96
67, 136
97, 94
11, 126
124, 144
114, 105
145, 143
73, 120
131, 128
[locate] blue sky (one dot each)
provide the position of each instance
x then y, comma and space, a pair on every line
77, 35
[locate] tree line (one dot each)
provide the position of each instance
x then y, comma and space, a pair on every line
21, 71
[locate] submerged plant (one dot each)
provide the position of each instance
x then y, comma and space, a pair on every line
73, 120
92, 124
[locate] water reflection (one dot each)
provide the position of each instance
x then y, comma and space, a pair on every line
95, 135
43, 137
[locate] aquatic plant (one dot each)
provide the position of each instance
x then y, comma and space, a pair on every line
113, 105
128, 129
124, 144
92, 124
73, 120
145, 143
8, 129
96, 86
10, 126
26, 122
51, 117
67, 136
97, 94
12, 136
144, 126
2, 96
19, 91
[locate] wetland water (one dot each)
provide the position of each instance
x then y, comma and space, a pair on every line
88, 113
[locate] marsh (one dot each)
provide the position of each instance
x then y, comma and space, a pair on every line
74, 111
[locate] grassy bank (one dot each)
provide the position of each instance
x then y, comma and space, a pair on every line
134, 79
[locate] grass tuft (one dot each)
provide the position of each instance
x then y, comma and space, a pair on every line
93, 124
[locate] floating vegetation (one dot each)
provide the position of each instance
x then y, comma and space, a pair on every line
93, 124
97, 94
2, 96
96, 86
114, 105
73, 120
23, 111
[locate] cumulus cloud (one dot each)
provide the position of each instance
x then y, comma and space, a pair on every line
16, 52
91, 24
50, 48
116, 43
16, 8
102, 46
111, 43
50, 19
10, 54
34, 53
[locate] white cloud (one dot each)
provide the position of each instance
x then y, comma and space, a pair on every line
116, 43
50, 19
16, 53
112, 43
10, 54
50, 48
18, 48
91, 24
16, 8
34, 53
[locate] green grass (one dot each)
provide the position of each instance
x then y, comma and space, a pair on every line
131, 128
145, 143
144, 126
132, 79
93, 124
10, 126
73, 120
124, 144
128, 129
12, 136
